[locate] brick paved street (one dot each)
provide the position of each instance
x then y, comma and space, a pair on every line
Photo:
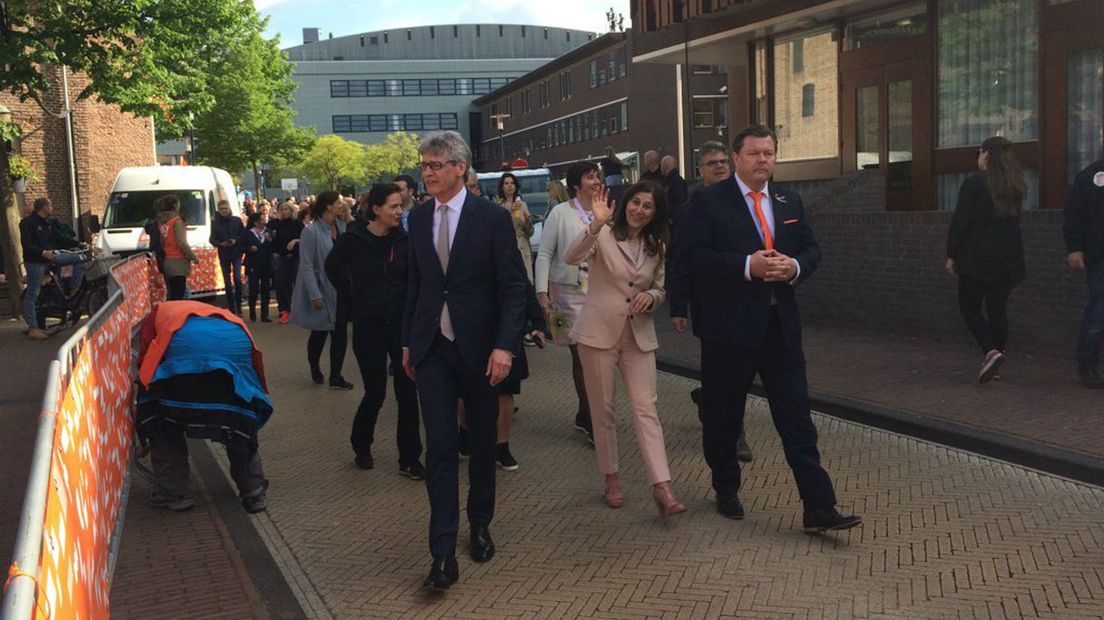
946, 534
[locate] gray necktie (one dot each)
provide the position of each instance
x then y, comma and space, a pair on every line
443, 256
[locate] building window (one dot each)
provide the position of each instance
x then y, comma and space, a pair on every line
455, 31
565, 86
593, 73
703, 113
339, 88
385, 38
523, 32
432, 32
500, 30
611, 67
545, 33
567, 34
394, 88
411, 88
798, 52
622, 65
624, 116
430, 88
1085, 109
994, 93
362, 40
701, 69
814, 135
807, 95
373, 40
477, 30
613, 124
358, 88
412, 122
446, 86
409, 35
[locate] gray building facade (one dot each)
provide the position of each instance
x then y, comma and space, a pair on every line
364, 86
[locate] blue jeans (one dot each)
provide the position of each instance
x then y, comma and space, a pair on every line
1092, 323
36, 272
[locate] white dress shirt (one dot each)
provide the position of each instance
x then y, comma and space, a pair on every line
768, 212
455, 206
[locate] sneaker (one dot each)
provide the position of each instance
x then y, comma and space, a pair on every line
414, 471
255, 503
462, 444
504, 459
990, 366
35, 333
528, 341
159, 500
285, 316
364, 460
339, 383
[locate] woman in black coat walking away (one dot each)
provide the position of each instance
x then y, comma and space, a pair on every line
985, 248
368, 266
256, 243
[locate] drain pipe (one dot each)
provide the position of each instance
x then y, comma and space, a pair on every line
70, 147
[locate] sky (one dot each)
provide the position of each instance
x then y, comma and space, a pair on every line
345, 17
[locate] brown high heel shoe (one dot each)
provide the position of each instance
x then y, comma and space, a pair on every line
614, 497
666, 502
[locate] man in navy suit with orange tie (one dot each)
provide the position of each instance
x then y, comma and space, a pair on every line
462, 327
743, 247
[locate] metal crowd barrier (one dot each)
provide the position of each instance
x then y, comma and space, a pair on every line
58, 568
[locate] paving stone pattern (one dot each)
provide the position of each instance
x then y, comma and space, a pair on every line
947, 534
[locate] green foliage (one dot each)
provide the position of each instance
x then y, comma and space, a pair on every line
149, 57
20, 167
397, 153
251, 121
333, 159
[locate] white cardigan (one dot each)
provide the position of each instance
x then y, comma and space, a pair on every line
561, 228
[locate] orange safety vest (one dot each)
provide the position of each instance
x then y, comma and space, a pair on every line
168, 317
168, 239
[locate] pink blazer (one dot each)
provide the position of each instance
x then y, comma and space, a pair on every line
616, 277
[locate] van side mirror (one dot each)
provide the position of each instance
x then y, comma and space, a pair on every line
94, 223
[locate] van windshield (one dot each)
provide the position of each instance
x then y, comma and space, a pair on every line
534, 191
134, 209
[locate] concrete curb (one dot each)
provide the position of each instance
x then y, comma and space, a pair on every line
1043, 457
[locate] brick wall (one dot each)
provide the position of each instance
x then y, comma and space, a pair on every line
885, 271
106, 139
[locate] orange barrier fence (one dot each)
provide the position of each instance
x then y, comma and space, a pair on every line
77, 491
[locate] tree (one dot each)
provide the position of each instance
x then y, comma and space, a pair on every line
149, 57
250, 122
397, 153
333, 159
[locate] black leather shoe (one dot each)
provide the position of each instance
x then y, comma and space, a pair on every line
730, 506
828, 520
482, 547
442, 574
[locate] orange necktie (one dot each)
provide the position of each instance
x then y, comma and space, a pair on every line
768, 240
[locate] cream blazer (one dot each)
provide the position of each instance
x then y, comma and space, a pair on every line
617, 276
560, 229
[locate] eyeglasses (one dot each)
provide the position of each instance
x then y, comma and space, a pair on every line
715, 162
433, 165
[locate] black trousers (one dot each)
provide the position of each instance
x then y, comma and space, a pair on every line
232, 280
991, 329
286, 268
169, 458
727, 374
260, 283
339, 338
443, 379
176, 285
372, 344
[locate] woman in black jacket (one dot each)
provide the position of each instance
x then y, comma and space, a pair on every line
256, 244
285, 250
368, 266
985, 248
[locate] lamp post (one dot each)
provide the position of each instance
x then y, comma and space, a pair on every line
500, 121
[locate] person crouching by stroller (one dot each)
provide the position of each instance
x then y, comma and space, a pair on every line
201, 375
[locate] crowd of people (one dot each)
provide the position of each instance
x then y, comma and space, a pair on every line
443, 294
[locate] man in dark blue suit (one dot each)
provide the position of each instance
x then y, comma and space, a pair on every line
743, 246
465, 313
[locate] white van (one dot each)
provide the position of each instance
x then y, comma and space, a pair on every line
130, 206
534, 191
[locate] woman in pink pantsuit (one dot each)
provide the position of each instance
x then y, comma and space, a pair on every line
615, 330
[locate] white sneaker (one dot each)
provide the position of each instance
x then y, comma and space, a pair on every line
991, 366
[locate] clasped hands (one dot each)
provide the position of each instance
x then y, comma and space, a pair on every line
772, 266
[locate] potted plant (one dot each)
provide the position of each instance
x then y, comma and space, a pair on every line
21, 170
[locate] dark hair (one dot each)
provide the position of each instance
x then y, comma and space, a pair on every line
303, 213
753, 131
517, 186
168, 202
1005, 178
576, 172
378, 195
712, 146
41, 203
222, 202
251, 221
409, 180
323, 202
655, 232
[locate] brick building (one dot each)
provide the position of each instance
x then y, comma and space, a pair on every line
880, 108
104, 138
592, 97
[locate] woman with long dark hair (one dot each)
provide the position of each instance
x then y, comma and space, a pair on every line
314, 301
509, 196
985, 248
615, 331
